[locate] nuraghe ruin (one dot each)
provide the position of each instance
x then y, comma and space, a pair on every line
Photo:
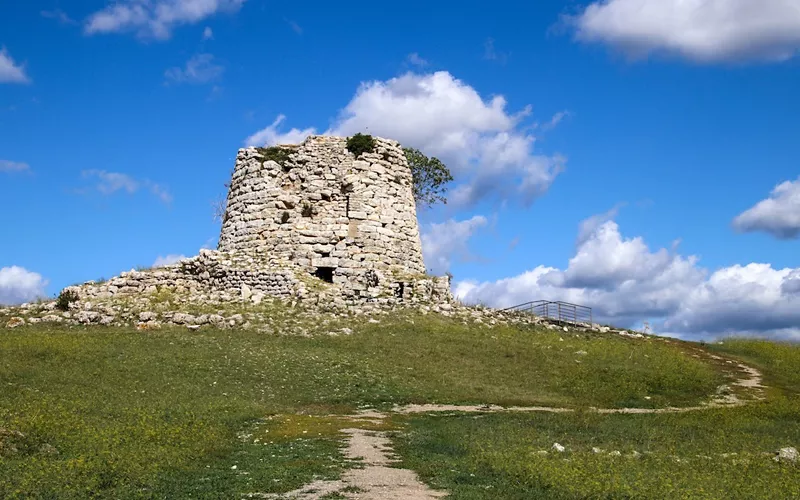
318, 225
307, 224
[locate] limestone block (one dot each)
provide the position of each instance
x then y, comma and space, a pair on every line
325, 262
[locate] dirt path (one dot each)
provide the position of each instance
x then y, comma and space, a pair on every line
377, 479
749, 380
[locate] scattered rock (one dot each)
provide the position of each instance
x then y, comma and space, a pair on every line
788, 454
217, 320
15, 322
557, 447
10, 442
148, 316
183, 319
87, 317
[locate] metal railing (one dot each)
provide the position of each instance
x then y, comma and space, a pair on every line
563, 312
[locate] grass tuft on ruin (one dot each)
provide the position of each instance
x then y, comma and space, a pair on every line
277, 154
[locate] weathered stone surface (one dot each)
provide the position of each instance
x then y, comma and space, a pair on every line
322, 216
15, 322
323, 196
87, 317
788, 454
147, 316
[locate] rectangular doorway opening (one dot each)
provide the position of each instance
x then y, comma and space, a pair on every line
325, 274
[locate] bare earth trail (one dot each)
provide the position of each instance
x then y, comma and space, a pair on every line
377, 479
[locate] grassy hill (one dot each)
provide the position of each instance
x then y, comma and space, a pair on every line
173, 413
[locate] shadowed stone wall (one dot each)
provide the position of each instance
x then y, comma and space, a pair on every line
326, 211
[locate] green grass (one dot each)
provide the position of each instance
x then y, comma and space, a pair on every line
168, 413
719, 453
780, 361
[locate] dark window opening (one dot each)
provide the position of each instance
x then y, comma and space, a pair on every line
371, 277
398, 292
325, 274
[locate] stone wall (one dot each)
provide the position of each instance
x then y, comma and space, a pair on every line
218, 277
311, 223
326, 211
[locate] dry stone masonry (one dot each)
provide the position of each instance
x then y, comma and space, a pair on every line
309, 223
348, 221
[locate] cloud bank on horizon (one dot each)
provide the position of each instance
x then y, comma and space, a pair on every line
626, 283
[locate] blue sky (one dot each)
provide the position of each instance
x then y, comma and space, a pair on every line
624, 154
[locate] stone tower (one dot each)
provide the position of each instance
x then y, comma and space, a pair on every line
298, 216
316, 205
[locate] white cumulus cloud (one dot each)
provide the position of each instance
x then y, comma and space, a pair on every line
740, 299
271, 137
443, 242
154, 18
416, 60
59, 15
778, 215
108, 183
11, 72
168, 260
18, 285
626, 283
200, 68
482, 143
700, 30
9, 166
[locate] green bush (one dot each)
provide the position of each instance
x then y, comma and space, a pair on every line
277, 154
360, 143
65, 298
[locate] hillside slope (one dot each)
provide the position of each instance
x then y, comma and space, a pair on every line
119, 412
